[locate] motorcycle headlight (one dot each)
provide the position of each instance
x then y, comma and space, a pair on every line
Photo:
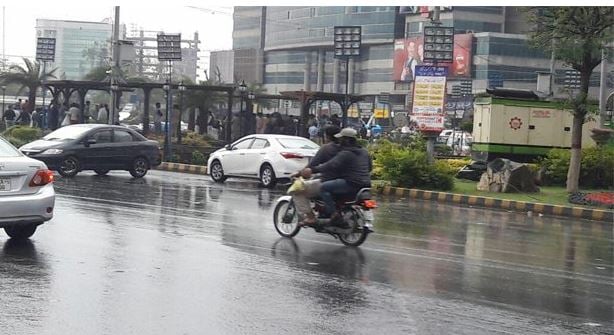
52, 152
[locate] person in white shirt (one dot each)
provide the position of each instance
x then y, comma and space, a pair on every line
74, 113
103, 114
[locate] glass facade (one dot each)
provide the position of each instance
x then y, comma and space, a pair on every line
83, 50
295, 26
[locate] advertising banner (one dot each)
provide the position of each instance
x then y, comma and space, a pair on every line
433, 123
429, 97
409, 52
429, 90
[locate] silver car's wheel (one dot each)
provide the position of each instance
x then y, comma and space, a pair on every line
20, 232
217, 172
267, 176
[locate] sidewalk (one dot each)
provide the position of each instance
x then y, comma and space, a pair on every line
453, 198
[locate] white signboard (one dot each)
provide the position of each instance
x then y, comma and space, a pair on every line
429, 122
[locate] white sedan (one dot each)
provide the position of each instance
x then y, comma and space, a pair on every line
265, 157
26, 192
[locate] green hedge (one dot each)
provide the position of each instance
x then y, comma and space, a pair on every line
596, 171
20, 135
409, 167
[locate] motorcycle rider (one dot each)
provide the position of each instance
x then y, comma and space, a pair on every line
351, 169
312, 187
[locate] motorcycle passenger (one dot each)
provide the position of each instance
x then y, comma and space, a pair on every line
328, 150
351, 168
312, 187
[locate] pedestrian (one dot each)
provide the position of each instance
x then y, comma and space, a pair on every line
74, 112
9, 117
64, 118
35, 118
94, 113
87, 114
103, 114
259, 122
158, 119
313, 132
335, 120
24, 118
52, 116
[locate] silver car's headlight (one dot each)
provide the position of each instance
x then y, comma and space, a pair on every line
52, 152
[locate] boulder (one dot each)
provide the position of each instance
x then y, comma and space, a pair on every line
506, 176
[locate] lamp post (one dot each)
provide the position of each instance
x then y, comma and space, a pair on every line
3, 93
181, 90
347, 43
242, 90
114, 89
167, 145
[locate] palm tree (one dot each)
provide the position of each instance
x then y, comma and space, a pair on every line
31, 76
204, 101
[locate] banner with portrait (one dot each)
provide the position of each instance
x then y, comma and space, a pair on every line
408, 54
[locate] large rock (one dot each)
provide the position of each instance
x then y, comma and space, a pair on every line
504, 175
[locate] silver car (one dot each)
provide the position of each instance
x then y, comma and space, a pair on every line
26, 192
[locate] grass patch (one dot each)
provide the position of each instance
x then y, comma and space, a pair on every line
554, 195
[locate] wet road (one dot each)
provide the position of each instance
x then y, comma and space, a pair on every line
177, 254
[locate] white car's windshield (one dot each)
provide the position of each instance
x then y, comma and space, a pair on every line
297, 143
7, 150
66, 134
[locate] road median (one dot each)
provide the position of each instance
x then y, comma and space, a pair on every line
179, 167
505, 204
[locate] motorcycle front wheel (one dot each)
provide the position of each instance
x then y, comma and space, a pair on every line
359, 233
285, 219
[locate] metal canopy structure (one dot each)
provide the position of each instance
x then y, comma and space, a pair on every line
66, 88
307, 98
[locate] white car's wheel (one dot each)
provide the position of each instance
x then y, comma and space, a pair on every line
267, 176
217, 172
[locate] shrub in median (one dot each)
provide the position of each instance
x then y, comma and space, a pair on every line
409, 168
20, 135
198, 158
597, 167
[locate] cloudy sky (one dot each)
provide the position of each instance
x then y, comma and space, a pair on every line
213, 23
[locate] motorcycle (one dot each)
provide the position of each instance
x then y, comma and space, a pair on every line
352, 227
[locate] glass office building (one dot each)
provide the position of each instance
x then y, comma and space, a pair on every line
297, 47
80, 46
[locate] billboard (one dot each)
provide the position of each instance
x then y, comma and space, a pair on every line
429, 97
409, 52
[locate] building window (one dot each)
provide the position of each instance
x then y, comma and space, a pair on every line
413, 28
312, 12
351, 10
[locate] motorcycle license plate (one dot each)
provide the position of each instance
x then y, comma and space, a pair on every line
368, 215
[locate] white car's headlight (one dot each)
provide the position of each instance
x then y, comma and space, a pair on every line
52, 152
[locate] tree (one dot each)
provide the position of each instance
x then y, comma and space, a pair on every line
31, 76
204, 101
576, 36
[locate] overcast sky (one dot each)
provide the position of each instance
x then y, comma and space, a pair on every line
215, 30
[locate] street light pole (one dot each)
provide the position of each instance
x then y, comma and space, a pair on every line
242, 90
181, 90
167, 146
3, 93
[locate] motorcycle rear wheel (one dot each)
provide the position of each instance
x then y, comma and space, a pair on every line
359, 233
288, 227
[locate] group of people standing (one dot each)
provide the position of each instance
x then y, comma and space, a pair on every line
55, 115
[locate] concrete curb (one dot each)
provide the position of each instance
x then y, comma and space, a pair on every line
185, 168
520, 206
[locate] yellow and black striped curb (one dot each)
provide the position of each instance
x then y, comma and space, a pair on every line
185, 168
537, 208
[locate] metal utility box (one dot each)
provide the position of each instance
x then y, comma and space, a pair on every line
522, 129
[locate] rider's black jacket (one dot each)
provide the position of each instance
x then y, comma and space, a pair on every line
352, 163
326, 153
